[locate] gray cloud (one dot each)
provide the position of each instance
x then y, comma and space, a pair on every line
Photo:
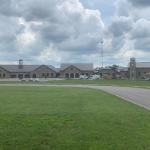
9, 29
141, 29
116, 33
6, 8
120, 26
140, 3
134, 24
142, 44
123, 8
141, 34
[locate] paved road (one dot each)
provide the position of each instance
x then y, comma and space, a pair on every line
137, 96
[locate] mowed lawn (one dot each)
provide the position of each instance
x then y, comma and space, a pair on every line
127, 83
43, 118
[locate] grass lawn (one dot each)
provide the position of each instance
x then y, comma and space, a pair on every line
129, 83
105, 82
43, 118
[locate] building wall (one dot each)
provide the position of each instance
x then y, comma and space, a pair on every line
132, 69
73, 72
107, 73
4, 74
70, 72
137, 73
141, 72
43, 72
18, 75
124, 75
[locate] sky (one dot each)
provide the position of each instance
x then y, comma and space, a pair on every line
71, 31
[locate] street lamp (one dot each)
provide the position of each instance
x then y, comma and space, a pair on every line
102, 55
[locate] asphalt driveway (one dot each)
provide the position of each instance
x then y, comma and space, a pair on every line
137, 96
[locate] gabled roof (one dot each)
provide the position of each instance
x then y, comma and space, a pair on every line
53, 68
143, 65
15, 68
26, 68
83, 67
57, 70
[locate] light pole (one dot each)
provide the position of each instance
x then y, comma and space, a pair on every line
102, 55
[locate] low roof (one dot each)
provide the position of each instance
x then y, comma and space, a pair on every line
125, 69
143, 65
26, 68
83, 67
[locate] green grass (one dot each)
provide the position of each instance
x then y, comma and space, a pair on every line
42, 118
129, 83
105, 82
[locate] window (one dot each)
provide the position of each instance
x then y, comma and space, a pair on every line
34, 75
52, 75
67, 75
71, 68
27, 76
20, 76
43, 74
57, 74
4, 75
47, 74
71, 75
77, 75
13, 76
0, 75
139, 73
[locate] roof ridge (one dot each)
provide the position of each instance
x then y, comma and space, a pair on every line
142, 62
76, 63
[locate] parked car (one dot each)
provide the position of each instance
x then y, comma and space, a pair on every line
36, 80
83, 77
23, 80
94, 77
147, 79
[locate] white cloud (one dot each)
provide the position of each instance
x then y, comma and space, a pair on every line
52, 31
66, 24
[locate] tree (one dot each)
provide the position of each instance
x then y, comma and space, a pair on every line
114, 69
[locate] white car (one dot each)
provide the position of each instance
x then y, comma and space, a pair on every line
83, 77
23, 80
147, 79
95, 77
36, 80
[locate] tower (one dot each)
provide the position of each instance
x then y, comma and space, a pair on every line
20, 66
132, 69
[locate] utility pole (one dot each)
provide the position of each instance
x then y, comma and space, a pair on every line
102, 55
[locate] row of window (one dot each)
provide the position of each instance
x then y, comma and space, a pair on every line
45, 75
74, 75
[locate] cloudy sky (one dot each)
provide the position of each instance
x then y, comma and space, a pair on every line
55, 31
